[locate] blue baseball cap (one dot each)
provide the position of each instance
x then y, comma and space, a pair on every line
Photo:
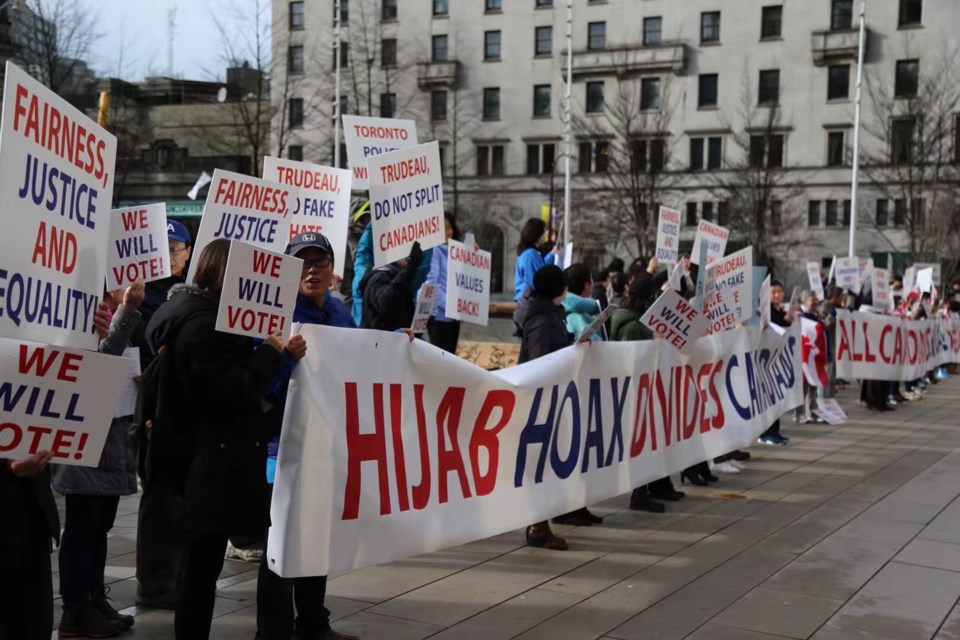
177, 232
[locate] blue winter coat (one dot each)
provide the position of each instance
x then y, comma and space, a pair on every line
528, 263
363, 260
333, 313
438, 276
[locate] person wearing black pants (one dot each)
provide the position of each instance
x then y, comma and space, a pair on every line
83, 550
782, 318
201, 565
444, 334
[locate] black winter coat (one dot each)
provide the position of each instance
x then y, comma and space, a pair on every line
542, 328
388, 298
214, 405
28, 510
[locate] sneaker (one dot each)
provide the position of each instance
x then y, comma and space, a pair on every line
725, 467
253, 555
891, 401
86, 621
102, 603
739, 466
776, 441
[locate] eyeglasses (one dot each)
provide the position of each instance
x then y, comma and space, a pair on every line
319, 263
176, 250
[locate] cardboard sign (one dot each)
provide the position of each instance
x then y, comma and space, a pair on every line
61, 400
598, 323
730, 301
426, 302
323, 202
259, 292
247, 209
668, 236
468, 283
848, 274
406, 202
716, 238
930, 265
674, 320
368, 137
880, 286
138, 247
813, 275
765, 302
56, 183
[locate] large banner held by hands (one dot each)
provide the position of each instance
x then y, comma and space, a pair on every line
322, 204
247, 209
367, 137
668, 236
61, 400
56, 181
715, 237
138, 247
468, 283
391, 449
259, 292
406, 202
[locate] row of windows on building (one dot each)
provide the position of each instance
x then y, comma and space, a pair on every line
771, 19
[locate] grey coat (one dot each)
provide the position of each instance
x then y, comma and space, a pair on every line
116, 475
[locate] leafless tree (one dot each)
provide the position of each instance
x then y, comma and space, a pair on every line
66, 31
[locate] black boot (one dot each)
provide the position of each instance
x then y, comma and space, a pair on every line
540, 535
579, 518
640, 500
102, 603
84, 620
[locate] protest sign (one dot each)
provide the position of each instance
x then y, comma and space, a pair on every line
674, 320
468, 283
127, 401
830, 411
61, 400
909, 281
597, 329
716, 239
56, 181
247, 209
759, 278
880, 288
833, 269
426, 302
848, 274
765, 302
702, 271
259, 292
816, 283
925, 280
391, 449
935, 266
406, 202
323, 201
368, 137
138, 247
866, 272
730, 300
668, 236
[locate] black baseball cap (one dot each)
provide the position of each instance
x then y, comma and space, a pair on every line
309, 240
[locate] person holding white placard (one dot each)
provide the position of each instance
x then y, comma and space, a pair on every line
389, 293
444, 332
782, 317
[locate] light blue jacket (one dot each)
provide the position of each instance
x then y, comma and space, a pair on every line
438, 276
580, 313
528, 263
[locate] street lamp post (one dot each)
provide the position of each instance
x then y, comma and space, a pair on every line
856, 134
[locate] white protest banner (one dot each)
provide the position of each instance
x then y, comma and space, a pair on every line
925, 280
716, 238
816, 283
426, 302
765, 302
323, 201
259, 292
876, 347
61, 400
391, 449
668, 236
367, 137
138, 247
730, 300
848, 274
247, 209
930, 265
468, 283
406, 201
56, 182
675, 321
880, 287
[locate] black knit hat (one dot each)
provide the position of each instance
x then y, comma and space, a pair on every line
548, 282
643, 287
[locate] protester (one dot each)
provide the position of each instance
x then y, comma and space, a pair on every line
444, 332
92, 495
215, 456
388, 293
832, 304
276, 596
618, 290
809, 310
580, 307
529, 258
782, 318
359, 220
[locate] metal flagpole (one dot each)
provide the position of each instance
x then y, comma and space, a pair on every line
336, 106
567, 128
856, 133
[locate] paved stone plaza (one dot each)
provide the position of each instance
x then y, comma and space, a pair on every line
850, 532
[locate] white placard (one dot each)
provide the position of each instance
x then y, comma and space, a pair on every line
765, 302
866, 270
468, 283
597, 322
930, 265
674, 320
848, 273
77, 393
406, 202
880, 286
247, 209
426, 303
368, 137
813, 275
716, 238
830, 411
56, 183
925, 280
259, 292
139, 248
909, 281
730, 300
323, 202
833, 268
127, 402
668, 236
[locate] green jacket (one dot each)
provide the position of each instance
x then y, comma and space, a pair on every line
625, 326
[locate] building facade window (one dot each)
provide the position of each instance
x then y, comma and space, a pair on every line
647, 155
493, 6
707, 90
766, 151
491, 45
841, 15
296, 15
295, 152
542, 100
846, 213
491, 103
706, 153
650, 94
344, 56
723, 210
438, 105
295, 112
540, 158
911, 13
388, 52
652, 31
696, 154
908, 78
597, 36
692, 214
899, 212
901, 146
771, 22
441, 7
836, 149
714, 153
594, 97
388, 105
295, 59
544, 3
918, 213
883, 213
776, 215
831, 220
709, 27
769, 92
813, 213
439, 51
543, 41
490, 160
838, 82
593, 156
706, 211
388, 9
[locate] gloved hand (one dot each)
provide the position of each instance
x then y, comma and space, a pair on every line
415, 259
